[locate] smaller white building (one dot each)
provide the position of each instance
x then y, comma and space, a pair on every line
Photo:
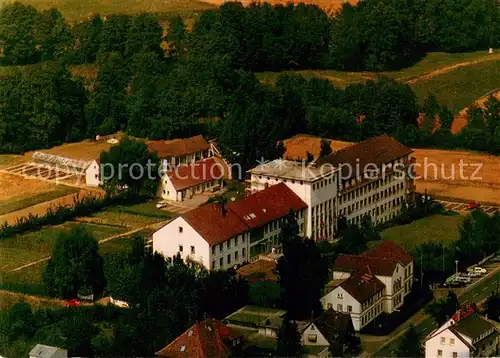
464, 335
373, 282
222, 236
93, 174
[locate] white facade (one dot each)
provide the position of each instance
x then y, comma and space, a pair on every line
167, 191
361, 313
179, 237
328, 197
447, 344
312, 337
93, 174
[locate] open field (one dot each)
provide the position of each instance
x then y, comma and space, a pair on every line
461, 119
75, 10
436, 228
22, 201
484, 186
14, 187
462, 86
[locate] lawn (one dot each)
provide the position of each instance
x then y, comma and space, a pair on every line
23, 249
24, 201
121, 219
147, 209
462, 86
436, 228
77, 10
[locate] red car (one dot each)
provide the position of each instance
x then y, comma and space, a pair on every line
474, 205
73, 303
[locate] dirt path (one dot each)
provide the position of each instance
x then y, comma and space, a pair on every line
461, 119
125, 234
443, 70
8, 298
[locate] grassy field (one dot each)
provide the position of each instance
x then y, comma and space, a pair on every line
457, 79
147, 209
76, 10
436, 228
21, 202
462, 86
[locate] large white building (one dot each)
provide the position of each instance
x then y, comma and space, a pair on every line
464, 335
371, 177
221, 236
371, 283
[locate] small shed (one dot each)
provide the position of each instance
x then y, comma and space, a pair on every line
43, 351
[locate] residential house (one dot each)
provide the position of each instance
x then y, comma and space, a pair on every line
93, 173
209, 338
185, 181
466, 334
222, 236
43, 351
329, 334
373, 282
369, 178
176, 152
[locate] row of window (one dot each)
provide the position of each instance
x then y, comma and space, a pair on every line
372, 300
323, 183
228, 259
193, 249
440, 353
340, 307
379, 210
229, 243
452, 341
397, 300
371, 314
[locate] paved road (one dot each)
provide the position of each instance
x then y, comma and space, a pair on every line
424, 324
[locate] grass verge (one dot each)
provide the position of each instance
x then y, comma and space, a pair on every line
435, 228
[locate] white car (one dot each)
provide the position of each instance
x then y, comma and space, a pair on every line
479, 270
161, 204
473, 274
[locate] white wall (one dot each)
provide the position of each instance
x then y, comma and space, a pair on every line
166, 189
92, 174
339, 296
168, 239
434, 344
313, 330
237, 250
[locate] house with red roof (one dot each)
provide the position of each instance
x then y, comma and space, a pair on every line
190, 166
465, 334
373, 282
222, 236
209, 338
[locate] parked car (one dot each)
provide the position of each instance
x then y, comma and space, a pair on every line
474, 205
161, 204
479, 270
73, 303
462, 278
454, 283
473, 274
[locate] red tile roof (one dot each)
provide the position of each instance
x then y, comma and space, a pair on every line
353, 263
363, 285
374, 151
178, 147
214, 227
209, 338
203, 171
248, 213
267, 205
389, 250
382, 259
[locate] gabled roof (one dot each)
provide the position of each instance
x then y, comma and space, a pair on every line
178, 147
267, 205
473, 326
246, 214
205, 339
374, 151
203, 171
389, 250
212, 225
363, 285
352, 263
333, 323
